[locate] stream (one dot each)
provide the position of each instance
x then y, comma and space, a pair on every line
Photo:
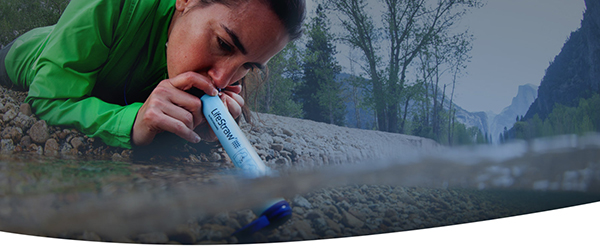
67, 197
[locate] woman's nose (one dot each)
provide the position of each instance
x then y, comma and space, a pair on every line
224, 75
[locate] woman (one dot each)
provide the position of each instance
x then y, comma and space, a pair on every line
119, 69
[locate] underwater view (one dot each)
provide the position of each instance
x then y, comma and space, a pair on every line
205, 204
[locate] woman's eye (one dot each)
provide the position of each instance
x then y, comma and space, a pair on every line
224, 46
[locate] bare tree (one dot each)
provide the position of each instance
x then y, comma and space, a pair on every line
408, 27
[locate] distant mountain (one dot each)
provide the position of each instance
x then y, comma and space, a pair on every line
575, 71
472, 119
487, 122
520, 104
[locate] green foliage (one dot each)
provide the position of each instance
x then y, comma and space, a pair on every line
562, 120
20, 16
461, 135
320, 94
276, 95
466, 136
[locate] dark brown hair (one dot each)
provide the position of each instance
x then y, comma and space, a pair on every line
291, 13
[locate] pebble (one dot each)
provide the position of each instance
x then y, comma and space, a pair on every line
77, 143
39, 132
9, 115
351, 220
25, 108
301, 202
13, 133
51, 147
7, 146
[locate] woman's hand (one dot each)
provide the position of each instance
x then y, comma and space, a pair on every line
170, 108
233, 102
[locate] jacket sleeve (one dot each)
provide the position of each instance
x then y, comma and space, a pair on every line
67, 68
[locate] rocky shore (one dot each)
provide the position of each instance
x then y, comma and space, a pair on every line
278, 140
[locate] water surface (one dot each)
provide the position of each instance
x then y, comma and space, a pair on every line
59, 197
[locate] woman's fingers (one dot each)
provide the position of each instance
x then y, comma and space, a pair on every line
236, 89
152, 119
233, 102
170, 108
187, 80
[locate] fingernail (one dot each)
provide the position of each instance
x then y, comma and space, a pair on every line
197, 139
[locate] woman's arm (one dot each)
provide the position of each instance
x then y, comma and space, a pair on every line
67, 67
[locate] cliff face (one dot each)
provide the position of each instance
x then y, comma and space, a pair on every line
575, 71
472, 119
520, 103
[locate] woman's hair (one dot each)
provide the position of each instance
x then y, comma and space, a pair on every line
290, 12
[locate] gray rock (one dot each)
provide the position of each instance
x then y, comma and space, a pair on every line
334, 226
330, 233
39, 132
314, 214
35, 149
289, 146
302, 202
304, 229
23, 121
9, 115
282, 161
51, 147
214, 157
320, 225
25, 108
287, 132
14, 133
63, 134
351, 221
266, 138
246, 216
25, 141
7, 146
277, 147
279, 140
77, 143
66, 149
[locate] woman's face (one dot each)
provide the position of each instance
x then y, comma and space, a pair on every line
223, 43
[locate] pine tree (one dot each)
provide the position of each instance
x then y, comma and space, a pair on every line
276, 94
320, 94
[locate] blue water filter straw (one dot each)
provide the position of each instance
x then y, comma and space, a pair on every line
275, 211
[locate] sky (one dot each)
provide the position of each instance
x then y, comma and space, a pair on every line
515, 40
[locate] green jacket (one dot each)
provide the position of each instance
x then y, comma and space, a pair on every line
96, 66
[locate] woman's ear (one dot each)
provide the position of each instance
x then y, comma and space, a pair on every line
181, 5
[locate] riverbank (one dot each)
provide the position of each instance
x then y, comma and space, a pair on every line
278, 140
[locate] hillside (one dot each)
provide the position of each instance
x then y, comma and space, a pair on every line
575, 71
